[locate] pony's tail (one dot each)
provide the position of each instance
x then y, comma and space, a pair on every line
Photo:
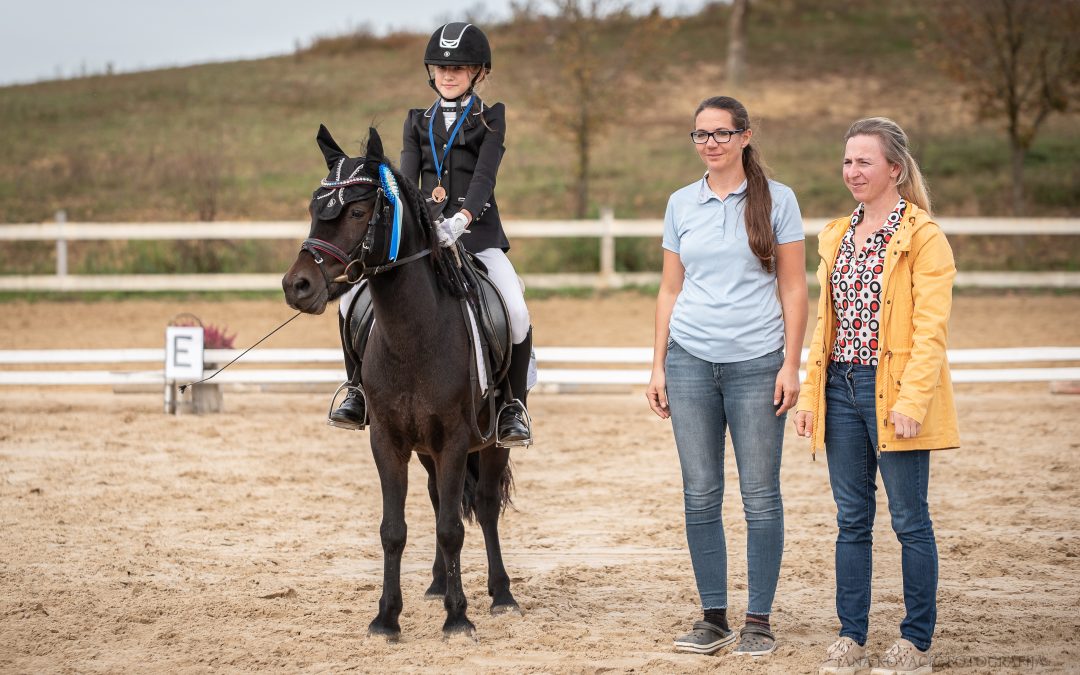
472, 480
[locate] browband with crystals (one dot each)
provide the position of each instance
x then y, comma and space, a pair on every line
348, 181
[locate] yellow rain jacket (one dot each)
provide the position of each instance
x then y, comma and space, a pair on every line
913, 371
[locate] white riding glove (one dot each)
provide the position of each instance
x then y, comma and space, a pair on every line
449, 229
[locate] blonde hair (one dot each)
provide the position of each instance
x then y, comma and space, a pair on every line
894, 143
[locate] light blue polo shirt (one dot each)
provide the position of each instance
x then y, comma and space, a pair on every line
728, 309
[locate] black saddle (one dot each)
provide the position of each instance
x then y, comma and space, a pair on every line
492, 322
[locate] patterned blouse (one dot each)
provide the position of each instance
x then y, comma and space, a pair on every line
856, 290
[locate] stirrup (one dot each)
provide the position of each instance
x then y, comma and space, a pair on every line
523, 443
355, 390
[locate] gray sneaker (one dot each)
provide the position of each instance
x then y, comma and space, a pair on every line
705, 638
904, 658
845, 657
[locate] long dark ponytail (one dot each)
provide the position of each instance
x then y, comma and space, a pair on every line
758, 211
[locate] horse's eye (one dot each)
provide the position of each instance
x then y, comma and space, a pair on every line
356, 213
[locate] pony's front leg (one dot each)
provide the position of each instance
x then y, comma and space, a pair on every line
450, 531
492, 492
393, 468
437, 589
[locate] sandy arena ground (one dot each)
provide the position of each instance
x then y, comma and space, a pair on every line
138, 542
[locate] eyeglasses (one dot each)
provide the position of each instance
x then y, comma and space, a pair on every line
720, 135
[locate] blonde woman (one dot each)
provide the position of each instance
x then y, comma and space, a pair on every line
877, 394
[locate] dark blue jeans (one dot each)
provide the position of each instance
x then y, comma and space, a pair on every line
851, 449
706, 400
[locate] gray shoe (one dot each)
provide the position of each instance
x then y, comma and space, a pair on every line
755, 640
705, 638
845, 657
904, 658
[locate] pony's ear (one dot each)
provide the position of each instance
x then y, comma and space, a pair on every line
374, 152
330, 149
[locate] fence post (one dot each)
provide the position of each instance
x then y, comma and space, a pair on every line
61, 244
607, 248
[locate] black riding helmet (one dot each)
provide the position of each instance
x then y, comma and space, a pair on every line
458, 44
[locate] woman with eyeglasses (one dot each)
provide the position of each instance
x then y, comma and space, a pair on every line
730, 319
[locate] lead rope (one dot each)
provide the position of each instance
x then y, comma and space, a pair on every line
190, 384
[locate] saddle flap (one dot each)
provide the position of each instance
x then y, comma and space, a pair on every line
361, 314
493, 320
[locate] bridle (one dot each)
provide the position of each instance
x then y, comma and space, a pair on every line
372, 255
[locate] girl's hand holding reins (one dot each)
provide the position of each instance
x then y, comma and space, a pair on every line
904, 426
656, 394
786, 392
804, 423
449, 229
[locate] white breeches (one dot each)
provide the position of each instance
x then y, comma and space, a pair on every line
502, 274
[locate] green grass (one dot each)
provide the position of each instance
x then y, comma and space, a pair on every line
237, 138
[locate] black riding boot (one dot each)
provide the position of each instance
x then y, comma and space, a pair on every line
352, 413
513, 421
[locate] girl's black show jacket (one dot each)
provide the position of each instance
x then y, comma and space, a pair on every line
468, 172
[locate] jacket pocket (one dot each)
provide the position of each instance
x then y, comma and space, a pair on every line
483, 209
487, 205
896, 361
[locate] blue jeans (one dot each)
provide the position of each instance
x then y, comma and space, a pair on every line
851, 449
706, 398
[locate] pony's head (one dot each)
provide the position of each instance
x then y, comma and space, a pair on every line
354, 224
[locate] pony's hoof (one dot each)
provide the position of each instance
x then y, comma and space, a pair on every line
511, 608
378, 629
462, 629
436, 591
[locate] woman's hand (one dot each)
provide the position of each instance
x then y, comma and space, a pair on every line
786, 392
804, 423
657, 394
904, 426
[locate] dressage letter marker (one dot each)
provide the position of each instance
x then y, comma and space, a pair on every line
183, 352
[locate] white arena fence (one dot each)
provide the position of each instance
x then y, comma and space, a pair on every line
561, 369
607, 229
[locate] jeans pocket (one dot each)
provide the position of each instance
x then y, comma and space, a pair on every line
779, 355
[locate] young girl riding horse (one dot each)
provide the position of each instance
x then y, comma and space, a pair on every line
452, 149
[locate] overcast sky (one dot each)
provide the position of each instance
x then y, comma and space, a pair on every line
64, 38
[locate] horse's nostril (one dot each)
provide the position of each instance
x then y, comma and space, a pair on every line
301, 285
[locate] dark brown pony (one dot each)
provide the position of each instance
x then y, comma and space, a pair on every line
416, 370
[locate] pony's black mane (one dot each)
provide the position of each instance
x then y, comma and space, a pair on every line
446, 271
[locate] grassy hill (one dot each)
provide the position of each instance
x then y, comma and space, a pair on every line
236, 140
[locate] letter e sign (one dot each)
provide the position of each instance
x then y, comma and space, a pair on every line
183, 352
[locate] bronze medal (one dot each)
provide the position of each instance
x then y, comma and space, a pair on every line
439, 194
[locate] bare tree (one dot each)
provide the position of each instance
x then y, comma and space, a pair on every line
1018, 60
603, 58
736, 54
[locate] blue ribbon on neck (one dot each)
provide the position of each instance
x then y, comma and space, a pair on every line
390, 189
449, 144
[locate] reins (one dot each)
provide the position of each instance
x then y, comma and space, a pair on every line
318, 246
183, 387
